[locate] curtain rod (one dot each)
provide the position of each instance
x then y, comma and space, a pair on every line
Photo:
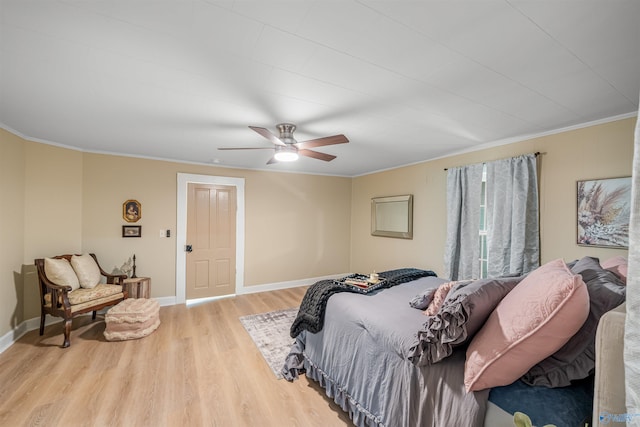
537, 153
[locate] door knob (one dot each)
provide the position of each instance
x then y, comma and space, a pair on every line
188, 248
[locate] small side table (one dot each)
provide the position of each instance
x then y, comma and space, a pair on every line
140, 287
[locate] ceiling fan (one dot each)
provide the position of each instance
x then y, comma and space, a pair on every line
287, 149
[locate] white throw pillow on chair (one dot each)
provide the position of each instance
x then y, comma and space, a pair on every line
87, 270
60, 272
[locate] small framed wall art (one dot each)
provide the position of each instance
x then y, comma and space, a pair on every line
131, 210
131, 231
604, 210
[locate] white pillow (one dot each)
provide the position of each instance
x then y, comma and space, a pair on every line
87, 270
60, 272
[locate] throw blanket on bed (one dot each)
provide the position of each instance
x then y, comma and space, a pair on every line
312, 308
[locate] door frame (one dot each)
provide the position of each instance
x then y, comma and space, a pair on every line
184, 179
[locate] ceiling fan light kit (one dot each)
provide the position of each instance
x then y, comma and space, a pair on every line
286, 153
287, 149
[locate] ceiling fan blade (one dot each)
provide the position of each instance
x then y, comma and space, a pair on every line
246, 148
317, 155
267, 134
272, 161
319, 142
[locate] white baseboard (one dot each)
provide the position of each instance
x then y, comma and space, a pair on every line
14, 335
8, 339
165, 301
284, 285
267, 287
198, 301
11, 337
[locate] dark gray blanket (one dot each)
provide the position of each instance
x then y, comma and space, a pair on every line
313, 306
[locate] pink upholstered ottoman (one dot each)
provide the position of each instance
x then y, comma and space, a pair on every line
131, 319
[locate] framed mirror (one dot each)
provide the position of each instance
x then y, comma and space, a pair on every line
392, 216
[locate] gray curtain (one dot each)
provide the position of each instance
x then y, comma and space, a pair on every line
513, 238
463, 218
632, 322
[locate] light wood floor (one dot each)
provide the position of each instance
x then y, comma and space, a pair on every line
200, 368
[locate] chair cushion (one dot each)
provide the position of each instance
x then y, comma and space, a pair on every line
60, 272
81, 295
89, 304
86, 269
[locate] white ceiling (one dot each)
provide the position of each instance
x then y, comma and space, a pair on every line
405, 81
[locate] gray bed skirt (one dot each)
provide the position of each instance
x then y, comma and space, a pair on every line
358, 414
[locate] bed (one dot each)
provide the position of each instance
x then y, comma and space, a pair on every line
365, 356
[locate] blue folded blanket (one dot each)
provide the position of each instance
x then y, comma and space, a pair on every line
563, 406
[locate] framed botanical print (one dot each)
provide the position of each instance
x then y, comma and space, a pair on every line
604, 210
131, 211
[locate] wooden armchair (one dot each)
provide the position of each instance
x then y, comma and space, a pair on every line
62, 300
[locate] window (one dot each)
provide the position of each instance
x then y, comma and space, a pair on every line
482, 241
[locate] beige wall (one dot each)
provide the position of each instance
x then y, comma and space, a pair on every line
52, 211
53, 201
601, 151
12, 190
66, 201
56, 200
296, 226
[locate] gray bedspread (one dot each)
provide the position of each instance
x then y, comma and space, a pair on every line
312, 308
360, 358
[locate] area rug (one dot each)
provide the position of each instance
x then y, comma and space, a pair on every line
270, 332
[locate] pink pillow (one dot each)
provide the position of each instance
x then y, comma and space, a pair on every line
438, 298
532, 322
618, 266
